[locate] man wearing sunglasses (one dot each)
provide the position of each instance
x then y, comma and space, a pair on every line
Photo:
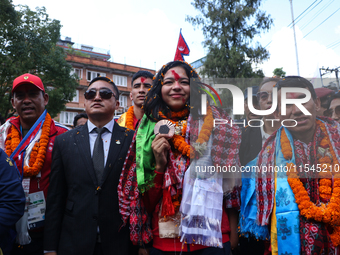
334, 108
254, 137
249, 115
82, 215
141, 83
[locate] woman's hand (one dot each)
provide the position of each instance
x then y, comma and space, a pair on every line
160, 147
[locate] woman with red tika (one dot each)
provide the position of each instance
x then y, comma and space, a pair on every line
171, 172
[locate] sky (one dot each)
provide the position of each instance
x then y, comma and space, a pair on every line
145, 33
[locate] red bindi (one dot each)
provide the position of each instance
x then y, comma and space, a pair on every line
177, 77
142, 79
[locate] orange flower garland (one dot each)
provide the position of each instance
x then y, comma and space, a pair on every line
12, 142
175, 115
179, 143
37, 157
330, 213
129, 118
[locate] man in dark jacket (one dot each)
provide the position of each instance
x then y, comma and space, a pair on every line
82, 215
12, 201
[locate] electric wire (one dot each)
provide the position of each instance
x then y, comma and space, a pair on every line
322, 22
333, 44
317, 14
296, 20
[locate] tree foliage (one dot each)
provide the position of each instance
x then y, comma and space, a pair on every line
229, 27
279, 72
28, 45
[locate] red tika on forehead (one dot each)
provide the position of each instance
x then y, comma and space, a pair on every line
142, 79
177, 77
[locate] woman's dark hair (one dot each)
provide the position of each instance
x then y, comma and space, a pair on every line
153, 100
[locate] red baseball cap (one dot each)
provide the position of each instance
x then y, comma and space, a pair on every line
323, 92
28, 78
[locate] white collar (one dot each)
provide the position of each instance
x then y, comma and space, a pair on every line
109, 125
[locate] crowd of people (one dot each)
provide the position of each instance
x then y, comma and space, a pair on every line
131, 186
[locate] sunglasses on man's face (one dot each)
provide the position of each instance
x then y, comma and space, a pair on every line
103, 93
263, 95
329, 112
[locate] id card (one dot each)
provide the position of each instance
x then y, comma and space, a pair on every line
36, 210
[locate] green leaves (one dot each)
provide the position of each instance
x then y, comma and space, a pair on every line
229, 27
279, 72
28, 45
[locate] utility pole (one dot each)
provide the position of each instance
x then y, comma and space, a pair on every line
327, 70
296, 51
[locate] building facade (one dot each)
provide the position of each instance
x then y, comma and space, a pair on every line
89, 62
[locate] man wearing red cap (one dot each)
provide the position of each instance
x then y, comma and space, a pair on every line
28, 140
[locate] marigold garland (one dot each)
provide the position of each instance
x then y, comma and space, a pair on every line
175, 115
38, 153
129, 118
179, 142
327, 213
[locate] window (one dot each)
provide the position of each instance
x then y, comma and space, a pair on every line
66, 118
91, 75
76, 97
120, 80
122, 101
78, 72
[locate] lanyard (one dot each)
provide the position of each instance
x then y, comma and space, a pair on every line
41, 120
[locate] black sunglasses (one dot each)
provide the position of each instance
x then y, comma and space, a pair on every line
103, 93
329, 112
263, 95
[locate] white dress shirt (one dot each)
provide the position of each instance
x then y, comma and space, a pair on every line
106, 137
264, 135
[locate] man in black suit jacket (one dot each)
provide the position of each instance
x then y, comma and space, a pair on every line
82, 214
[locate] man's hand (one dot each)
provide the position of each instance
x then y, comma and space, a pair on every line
160, 147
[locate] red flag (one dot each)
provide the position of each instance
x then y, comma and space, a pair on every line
182, 48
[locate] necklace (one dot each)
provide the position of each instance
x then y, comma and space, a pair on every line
37, 156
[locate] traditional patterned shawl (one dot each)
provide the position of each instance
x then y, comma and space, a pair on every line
131, 205
314, 235
224, 152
